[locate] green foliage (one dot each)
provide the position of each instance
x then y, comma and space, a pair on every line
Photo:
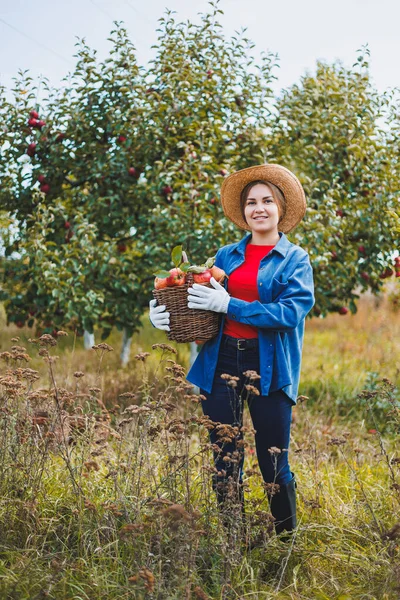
336, 132
128, 163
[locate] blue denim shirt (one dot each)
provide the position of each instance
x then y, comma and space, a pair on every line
286, 291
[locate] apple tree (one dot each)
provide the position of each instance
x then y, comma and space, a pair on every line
334, 130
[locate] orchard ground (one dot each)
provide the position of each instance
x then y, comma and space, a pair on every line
125, 508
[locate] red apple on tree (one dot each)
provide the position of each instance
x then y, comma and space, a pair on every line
343, 310
365, 275
339, 212
133, 172
33, 122
121, 247
41, 124
41, 179
67, 225
121, 139
45, 188
167, 190
34, 114
31, 149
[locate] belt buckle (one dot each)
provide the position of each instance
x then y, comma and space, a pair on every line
238, 344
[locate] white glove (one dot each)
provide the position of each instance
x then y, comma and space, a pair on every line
205, 298
158, 316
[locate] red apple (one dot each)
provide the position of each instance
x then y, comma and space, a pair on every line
60, 137
340, 213
177, 277
386, 273
121, 247
210, 73
41, 124
133, 172
343, 310
397, 273
160, 283
218, 274
41, 178
365, 275
361, 249
31, 149
67, 225
45, 188
334, 255
213, 201
223, 172
20, 324
33, 122
167, 190
202, 278
34, 114
121, 139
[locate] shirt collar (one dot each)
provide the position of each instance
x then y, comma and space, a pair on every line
282, 246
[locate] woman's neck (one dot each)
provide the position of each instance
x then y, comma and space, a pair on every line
271, 239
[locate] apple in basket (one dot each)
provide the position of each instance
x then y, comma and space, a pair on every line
177, 276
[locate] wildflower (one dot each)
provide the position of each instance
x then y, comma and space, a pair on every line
61, 333
336, 441
142, 356
78, 374
252, 375
252, 389
274, 450
164, 347
301, 399
103, 346
271, 488
47, 340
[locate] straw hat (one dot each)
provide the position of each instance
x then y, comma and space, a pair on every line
284, 179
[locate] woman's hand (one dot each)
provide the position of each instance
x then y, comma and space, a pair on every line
205, 298
158, 317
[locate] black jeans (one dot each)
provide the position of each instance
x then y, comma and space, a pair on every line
271, 416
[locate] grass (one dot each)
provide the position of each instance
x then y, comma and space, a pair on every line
105, 473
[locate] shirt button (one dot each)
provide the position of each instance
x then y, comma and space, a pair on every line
233, 316
261, 283
271, 345
269, 366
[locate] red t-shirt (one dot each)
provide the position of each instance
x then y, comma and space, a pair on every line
242, 283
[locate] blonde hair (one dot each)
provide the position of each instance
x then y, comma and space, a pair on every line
276, 193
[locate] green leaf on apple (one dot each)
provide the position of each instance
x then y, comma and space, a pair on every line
176, 255
162, 273
184, 266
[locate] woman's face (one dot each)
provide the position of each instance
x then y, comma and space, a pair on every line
260, 210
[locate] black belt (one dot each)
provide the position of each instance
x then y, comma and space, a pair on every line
239, 343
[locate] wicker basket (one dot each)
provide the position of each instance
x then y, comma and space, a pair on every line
187, 324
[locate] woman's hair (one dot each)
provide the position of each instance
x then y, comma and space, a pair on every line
276, 193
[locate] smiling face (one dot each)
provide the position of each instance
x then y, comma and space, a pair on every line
261, 211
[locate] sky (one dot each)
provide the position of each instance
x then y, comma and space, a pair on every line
40, 36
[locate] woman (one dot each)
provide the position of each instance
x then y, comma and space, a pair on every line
257, 354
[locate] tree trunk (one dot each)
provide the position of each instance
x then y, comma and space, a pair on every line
88, 340
126, 348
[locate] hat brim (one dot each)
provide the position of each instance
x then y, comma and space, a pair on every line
284, 179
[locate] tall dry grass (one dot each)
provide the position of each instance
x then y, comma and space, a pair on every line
105, 473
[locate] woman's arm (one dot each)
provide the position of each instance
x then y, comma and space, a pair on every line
285, 314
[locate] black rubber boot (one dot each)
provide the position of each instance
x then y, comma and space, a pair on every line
283, 508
